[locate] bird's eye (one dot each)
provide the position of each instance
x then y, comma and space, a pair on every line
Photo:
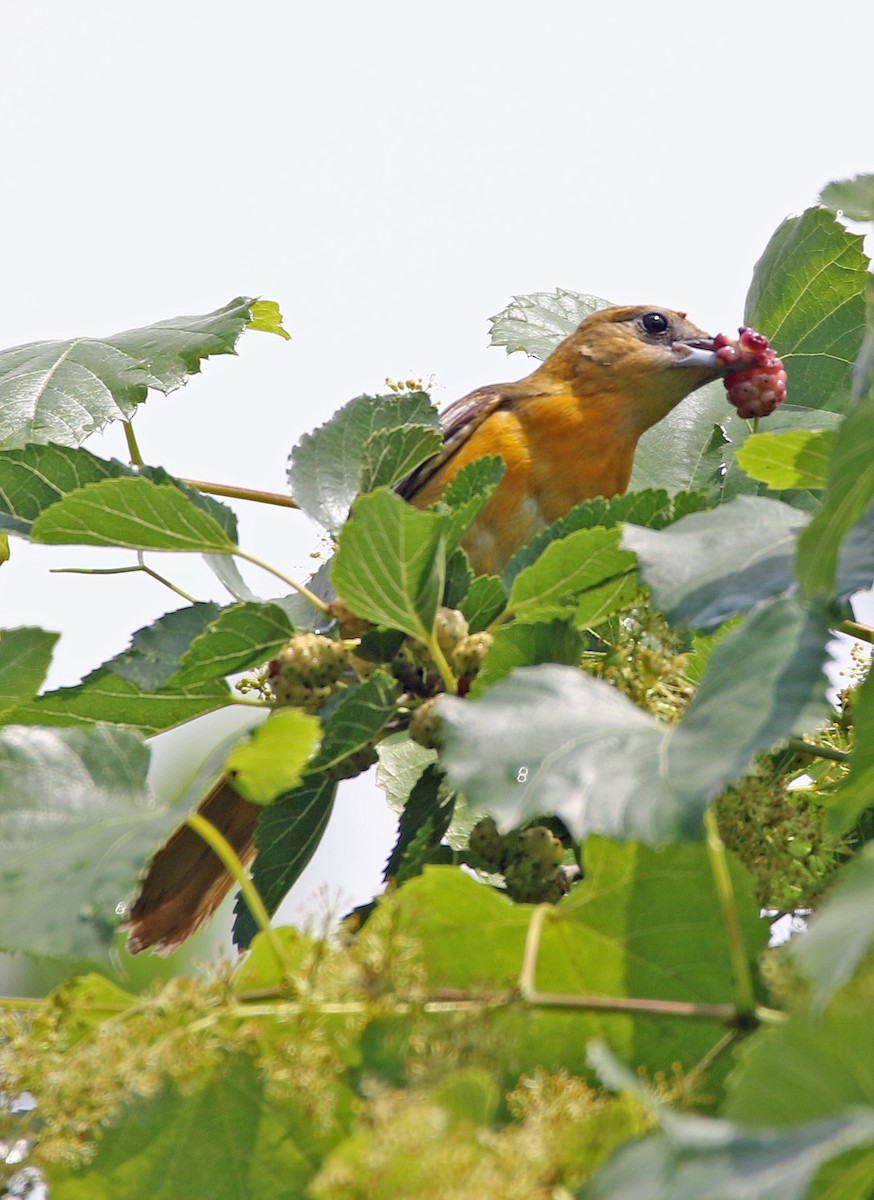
654, 322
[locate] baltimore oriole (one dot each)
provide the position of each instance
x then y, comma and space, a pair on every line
567, 432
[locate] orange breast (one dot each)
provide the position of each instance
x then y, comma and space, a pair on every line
558, 449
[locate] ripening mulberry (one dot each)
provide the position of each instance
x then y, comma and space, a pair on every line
758, 384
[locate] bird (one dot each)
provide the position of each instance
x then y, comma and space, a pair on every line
567, 432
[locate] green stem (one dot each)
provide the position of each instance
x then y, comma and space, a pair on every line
831, 752
219, 844
124, 571
442, 665
133, 448
853, 629
688, 1009
292, 583
166, 582
743, 980
242, 493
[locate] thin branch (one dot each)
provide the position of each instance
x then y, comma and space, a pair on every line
864, 633
292, 583
125, 571
831, 752
618, 1004
242, 493
133, 448
743, 980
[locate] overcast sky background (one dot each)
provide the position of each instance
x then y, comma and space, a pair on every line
392, 174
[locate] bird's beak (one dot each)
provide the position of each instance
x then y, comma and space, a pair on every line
696, 352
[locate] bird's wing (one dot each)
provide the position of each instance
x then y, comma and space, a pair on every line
459, 421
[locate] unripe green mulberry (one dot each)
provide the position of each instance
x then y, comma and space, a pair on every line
350, 625
425, 724
353, 764
306, 669
526, 884
531, 873
468, 655
450, 627
488, 843
539, 845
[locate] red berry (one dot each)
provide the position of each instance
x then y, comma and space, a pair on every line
750, 340
759, 385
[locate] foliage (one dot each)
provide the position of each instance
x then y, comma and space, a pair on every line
588, 1009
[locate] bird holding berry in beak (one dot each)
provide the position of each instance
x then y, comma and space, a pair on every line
567, 432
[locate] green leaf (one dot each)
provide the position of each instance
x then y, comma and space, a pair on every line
849, 491
63, 391
459, 577
325, 469
380, 645
653, 507
854, 198
237, 638
288, 834
76, 823
568, 567
684, 449
467, 495
840, 932
710, 1159
133, 513
796, 459
633, 927
538, 322
401, 763
217, 1138
485, 600
807, 295
423, 822
712, 565
550, 740
390, 454
356, 719
36, 477
271, 760
105, 696
600, 603
267, 318
808, 1067
390, 563
25, 657
693, 447
521, 645
155, 651
856, 792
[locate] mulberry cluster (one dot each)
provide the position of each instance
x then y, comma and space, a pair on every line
529, 860
757, 382
307, 669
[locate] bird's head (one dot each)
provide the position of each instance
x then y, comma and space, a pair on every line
646, 358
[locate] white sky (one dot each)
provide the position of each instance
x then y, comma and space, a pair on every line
391, 173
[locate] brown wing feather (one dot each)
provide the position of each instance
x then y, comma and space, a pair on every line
186, 881
459, 421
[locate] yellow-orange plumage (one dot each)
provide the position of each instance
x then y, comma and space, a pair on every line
566, 433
